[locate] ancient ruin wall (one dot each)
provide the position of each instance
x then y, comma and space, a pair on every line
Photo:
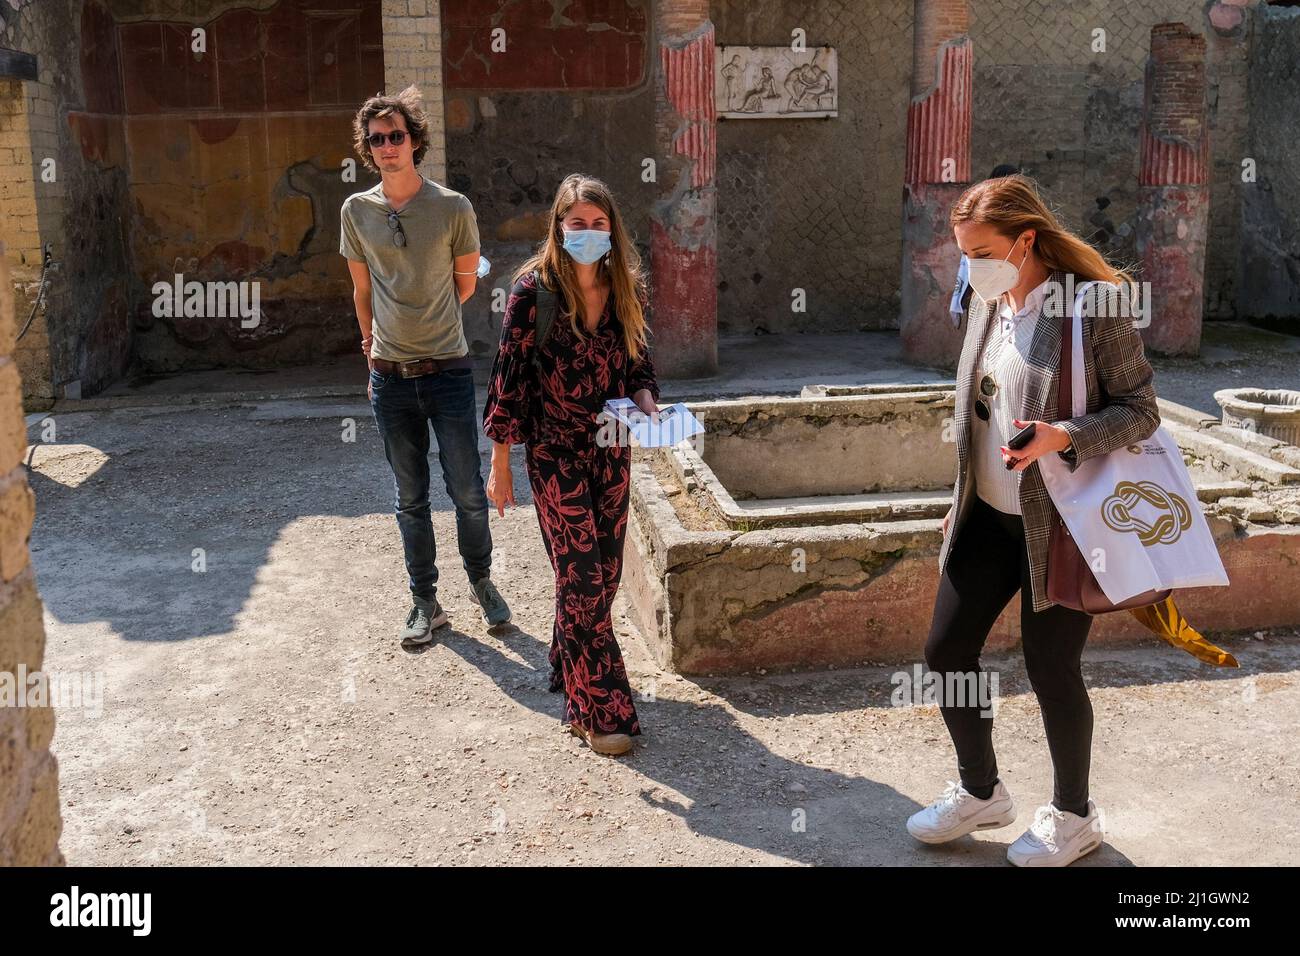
29, 776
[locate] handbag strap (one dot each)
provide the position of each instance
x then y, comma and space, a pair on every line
548, 306
1065, 374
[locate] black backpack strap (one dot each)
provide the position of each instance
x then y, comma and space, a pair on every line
548, 305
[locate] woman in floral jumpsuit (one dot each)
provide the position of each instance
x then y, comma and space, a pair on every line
580, 480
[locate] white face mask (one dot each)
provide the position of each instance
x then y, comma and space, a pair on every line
992, 277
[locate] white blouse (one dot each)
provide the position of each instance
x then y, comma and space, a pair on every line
1003, 357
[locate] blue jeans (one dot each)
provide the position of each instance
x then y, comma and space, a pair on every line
404, 408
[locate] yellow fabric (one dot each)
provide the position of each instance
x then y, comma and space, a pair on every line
1166, 621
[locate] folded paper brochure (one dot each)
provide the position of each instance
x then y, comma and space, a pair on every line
675, 423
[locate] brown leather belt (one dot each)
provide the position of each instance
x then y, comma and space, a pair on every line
425, 366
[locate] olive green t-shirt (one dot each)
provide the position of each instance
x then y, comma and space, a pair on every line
413, 297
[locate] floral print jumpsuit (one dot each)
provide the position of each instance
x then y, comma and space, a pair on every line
580, 489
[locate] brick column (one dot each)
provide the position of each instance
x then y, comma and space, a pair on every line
29, 776
683, 221
936, 173
1173, 195
413, 54
26, 138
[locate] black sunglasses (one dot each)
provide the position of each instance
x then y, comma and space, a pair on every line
399, 235
989, 388
397, 137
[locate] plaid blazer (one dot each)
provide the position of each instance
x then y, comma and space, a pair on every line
1121, 410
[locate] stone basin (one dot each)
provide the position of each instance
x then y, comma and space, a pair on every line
1272, 412
804, 531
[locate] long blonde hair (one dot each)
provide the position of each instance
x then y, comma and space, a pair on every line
1011, 204
621, 268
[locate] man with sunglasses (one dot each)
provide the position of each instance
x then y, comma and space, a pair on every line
412, 247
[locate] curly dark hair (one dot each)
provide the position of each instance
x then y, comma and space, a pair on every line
409, 104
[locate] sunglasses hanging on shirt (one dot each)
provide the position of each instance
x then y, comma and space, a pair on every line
399, 235
988, 388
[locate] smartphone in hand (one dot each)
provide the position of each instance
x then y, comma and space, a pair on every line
1022, 438
1019, 440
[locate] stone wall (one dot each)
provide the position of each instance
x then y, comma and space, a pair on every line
413, 54
65, 188
815, 204
226, 166
1070, 116
222, 164
19, 220
237, 170
29, 777
1270, 247
571, 93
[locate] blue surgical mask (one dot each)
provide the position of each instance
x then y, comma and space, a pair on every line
586, 245
955, 307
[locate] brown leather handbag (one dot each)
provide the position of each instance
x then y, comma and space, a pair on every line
1070, 581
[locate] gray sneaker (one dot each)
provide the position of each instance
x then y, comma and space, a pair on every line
421, 622
486, 595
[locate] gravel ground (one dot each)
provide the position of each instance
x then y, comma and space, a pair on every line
260, 711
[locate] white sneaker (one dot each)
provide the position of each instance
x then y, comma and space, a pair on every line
958, 812
1057, 838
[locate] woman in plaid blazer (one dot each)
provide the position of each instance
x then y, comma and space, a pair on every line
1023, 265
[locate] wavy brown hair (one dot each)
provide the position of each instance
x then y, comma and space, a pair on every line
621, 267
409, 105
1012, 204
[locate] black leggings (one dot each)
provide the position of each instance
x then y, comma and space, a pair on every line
987, 564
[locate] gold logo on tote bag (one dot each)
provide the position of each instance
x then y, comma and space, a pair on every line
1174, 517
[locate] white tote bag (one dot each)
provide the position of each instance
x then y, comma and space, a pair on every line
1134, 512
